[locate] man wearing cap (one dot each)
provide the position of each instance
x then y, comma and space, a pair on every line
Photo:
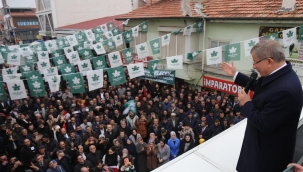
173, 120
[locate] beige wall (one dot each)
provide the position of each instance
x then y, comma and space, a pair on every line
66, 12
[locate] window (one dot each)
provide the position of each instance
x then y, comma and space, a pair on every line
216, 43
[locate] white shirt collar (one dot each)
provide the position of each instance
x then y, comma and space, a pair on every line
278, 68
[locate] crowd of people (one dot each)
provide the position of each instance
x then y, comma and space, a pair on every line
64, 132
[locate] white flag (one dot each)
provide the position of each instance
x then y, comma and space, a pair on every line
115, 59
50, 72
135, 31
249, 44
289, 36
73, 57
25, 51
13, 59
72, 40
84, 66
16, 89
9, 71
90, 35
68, 49
104, 28
88, 44
51, 45
14, 48
43, 64
108, 34
98, 47
135, 70
43, 55
125, 22
95, 79
174, 62
142, 50
165, 39
54, 83
12, 77
188, 30
118, 40
214, 56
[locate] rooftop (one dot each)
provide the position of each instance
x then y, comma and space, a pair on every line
218, 9
92, 23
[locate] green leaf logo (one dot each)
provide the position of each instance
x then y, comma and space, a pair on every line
290, 34
251, 43
84, 65
88, 33
165, 37
142, 48
54, 79
69, 50
50, 70
135, 29
24, 49
76, 80
188, 27
116, 73
144, 26
14, 57
95, 77
16, 87
232, 50
115, 57
71, 39
9, 71
36, 84
98, 47
43, 54
118, 38
50, 45
174, 61
135, 68
214, 54
74, 56
43, 64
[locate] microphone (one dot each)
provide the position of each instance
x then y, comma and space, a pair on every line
253, 77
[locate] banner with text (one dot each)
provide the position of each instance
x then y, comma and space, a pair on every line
162, 76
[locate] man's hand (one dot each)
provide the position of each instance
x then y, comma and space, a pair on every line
229, 69
298, 168
243, 97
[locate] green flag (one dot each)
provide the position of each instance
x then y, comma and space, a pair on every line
300, 36
75, 82
110, 25
116, 75
110, 44
80, 46
128, 55
32, 74
100, 37
232, 52
57, 53
86, 54
97, 29
199, 26
193, 55
26, 68
67, 68
62, 43
3, 96
4, 49
155, 46
273, 36
81, 37
152, 65
36, 87
30, 59
39, 47
144, 27
128, 36
130, 106
59, 60
176, 32
99, 62
116, 31
4, 56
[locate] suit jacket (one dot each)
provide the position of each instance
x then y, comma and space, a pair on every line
44, 167
270, 135
206, 134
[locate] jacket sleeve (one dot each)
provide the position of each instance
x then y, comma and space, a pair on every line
242, 80
276, 107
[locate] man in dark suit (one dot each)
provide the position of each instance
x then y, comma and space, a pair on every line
41, 165
273, 113
203, 131
173, 120
4, 107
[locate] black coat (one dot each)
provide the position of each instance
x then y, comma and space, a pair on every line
182, 145
206, 134
94, 157
273, 115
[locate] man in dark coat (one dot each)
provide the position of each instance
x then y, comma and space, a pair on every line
94, 156
270, 135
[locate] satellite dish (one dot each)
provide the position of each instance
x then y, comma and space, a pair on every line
288, 5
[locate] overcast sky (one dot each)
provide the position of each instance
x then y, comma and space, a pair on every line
20, 3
